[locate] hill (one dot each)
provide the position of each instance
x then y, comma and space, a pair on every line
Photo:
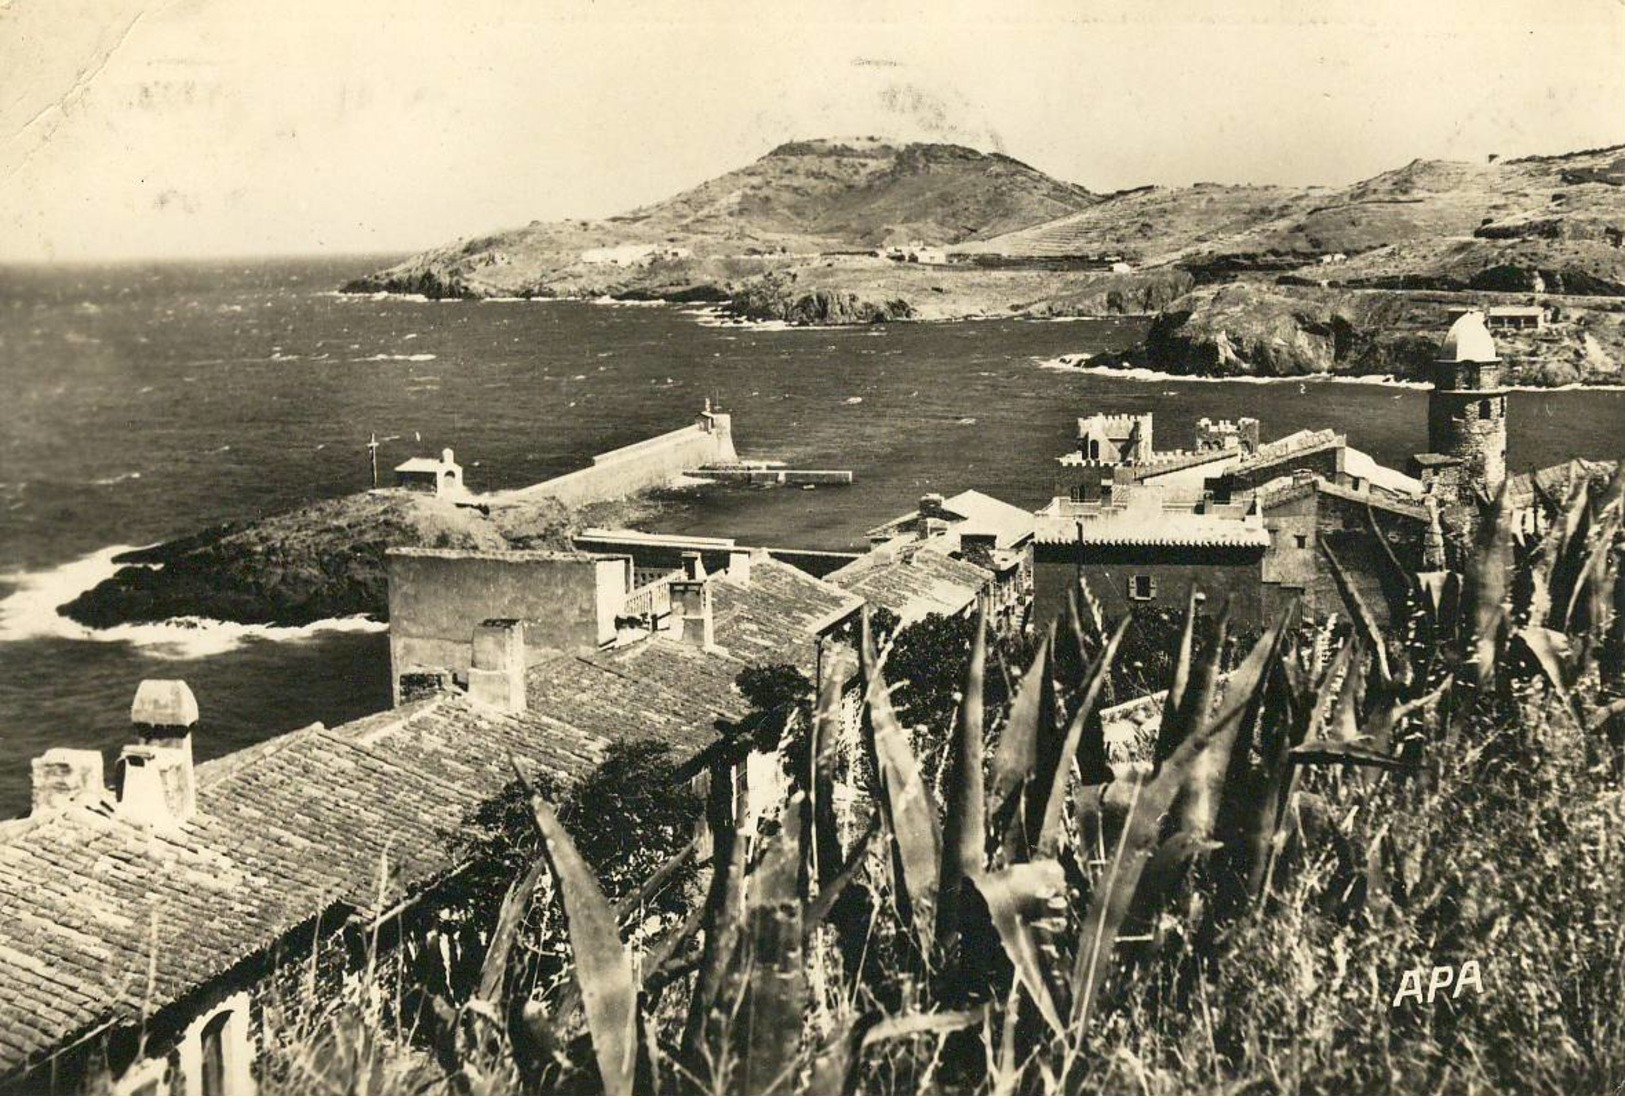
802, 199
802, 235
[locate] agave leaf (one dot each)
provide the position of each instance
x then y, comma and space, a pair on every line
1356, 752
1017, 897
1345, 716
1015, 759
964, 823
923, 1023
1549, 650
1243, 698
819, 908
906, 808
1369, 630
515, 904
1485, 592
1171, 732
609, 992
1591, 580
720, 923
626, 908
822, 760
834, 1071
1396, 568
1162, 876
1091, 757
1281, 724
1109, 904
770, 972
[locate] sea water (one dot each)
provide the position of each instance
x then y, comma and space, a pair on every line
142, 402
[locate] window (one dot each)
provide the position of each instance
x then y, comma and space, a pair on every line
1486, 409
1142, 586
1301, 540
214, 1055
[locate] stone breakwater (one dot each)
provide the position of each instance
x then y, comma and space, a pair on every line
637, 467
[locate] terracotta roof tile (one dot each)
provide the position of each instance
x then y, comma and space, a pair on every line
913, 581
282, 832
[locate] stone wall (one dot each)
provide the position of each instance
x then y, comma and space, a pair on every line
437, 597
1471, 426
1216, 571
647, 464
1295, 564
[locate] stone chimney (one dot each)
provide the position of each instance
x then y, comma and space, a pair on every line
496, 672
691, 618
739, 567
67, 777
932, 515
693, 566
156, 786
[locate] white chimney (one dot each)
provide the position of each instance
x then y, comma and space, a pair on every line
155, 783
739, 567
67, 777
692, 618
496, 675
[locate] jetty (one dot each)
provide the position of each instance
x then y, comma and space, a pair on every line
767, 473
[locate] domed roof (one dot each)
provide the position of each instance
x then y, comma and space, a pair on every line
1468, 341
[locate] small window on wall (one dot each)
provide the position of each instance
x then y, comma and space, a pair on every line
1486, 408
1301, 540
1142, 586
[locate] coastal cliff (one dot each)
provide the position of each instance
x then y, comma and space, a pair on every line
1262, 280
1278, 331
322, 561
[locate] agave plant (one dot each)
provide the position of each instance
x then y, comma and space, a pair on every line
1082, 869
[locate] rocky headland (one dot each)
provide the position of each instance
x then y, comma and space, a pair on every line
1240, 279
321, 561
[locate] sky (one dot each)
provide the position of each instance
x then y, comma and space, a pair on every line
193, 128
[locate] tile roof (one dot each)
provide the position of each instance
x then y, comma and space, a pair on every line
1145, 527
660, 686
777, 614
295, 825
977, 513
986, 515
1555, 481
1376, 500
1359, 464
283, 832
1298, 443
913, 580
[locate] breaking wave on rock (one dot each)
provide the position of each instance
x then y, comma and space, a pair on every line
30, 612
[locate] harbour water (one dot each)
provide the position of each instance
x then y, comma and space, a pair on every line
144, 402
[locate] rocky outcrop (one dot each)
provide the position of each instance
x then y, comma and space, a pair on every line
783, 296
1246, 329
1117, 294
322, 561
1249, 329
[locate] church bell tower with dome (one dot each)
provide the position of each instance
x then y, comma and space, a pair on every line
1467, 417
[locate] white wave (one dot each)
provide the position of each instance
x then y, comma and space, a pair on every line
116, 478
1079, 364
629, 303
30, 613
381, 357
